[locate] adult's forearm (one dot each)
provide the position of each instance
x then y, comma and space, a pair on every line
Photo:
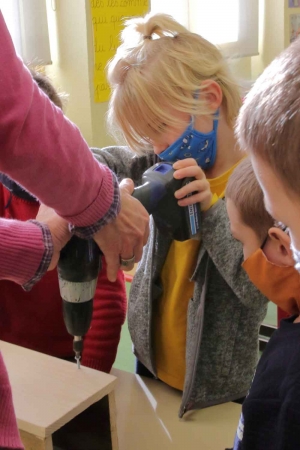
43, 150
25, 251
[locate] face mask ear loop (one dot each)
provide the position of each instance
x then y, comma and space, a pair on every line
264, 242
216, 119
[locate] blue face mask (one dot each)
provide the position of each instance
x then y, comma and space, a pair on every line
194, 144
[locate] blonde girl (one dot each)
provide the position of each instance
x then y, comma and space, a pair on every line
193, 314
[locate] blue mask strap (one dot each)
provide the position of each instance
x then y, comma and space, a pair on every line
216, 118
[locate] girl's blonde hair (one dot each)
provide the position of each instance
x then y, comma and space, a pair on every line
159, 67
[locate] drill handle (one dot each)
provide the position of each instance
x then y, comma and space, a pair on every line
80, 260
149, 194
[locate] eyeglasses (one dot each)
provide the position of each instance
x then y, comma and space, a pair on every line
282, 227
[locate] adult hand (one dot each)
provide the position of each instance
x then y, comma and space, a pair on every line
124, 238
59, 229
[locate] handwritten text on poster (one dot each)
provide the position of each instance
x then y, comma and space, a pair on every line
108, 20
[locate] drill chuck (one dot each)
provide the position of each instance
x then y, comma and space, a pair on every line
78, 316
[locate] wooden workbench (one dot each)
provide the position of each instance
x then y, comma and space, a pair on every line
147, 418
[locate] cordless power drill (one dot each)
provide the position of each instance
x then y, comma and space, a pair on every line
80, 260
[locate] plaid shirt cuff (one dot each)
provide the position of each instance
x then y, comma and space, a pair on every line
88, 232
47, 257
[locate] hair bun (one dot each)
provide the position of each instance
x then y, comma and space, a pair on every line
138, 30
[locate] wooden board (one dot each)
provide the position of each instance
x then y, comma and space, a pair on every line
49, 392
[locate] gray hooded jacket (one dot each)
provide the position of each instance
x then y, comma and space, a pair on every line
224, 314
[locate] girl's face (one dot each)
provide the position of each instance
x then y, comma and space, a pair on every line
170, 134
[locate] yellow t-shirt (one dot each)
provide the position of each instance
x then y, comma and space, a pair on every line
169, 336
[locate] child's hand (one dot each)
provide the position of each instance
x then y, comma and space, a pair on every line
187, 168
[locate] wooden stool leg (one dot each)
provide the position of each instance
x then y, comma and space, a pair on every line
113, 420
32, 442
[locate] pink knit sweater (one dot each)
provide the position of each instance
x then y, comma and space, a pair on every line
9, 435
38, 147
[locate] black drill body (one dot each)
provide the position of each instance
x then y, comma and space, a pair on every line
80, 260
78, 269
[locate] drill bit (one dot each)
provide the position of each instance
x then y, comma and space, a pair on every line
77, 347
78, 357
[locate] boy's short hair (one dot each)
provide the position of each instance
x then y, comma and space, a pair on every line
269, 121
47, 87
245, 192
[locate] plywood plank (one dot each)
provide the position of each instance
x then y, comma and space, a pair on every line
49, 392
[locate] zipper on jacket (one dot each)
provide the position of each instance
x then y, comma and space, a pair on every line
186, 405
151, 308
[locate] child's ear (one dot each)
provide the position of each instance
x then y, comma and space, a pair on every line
279, 243
212, 92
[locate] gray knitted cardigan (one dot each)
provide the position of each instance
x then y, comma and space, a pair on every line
224, 314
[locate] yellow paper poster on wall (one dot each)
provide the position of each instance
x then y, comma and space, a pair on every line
108, 20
